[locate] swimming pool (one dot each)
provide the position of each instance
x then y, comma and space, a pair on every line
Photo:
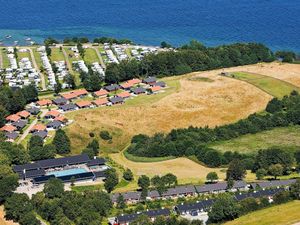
68, 172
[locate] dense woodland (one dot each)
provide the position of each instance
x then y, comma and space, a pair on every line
194, 140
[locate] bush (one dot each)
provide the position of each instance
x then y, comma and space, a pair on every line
128, 175
91, 134
105, 135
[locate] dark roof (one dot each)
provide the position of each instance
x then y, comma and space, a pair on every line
138, 90
12, 135
112, 87
20, 124
149, 80
31, 173
67, 178
43, 134
99, 174
272, 183
115, 100
221, 186
33, 110
258, 194
151, 213
180, 190
96, 162
68, 107
51, 163
54, 124
200, 205
60, 101
160, 83
132, 195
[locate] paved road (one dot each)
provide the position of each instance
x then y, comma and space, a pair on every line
38, 69
26, 132
100, 57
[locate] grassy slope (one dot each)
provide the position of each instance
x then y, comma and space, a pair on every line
57, 55
277, 88
90, 56
277, 215
5, 60
283, 137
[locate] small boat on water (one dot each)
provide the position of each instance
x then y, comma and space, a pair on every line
8, 36
28, 39
32, 42
16, 42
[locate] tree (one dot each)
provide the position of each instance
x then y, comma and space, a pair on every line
276, 170
57, 86
111, 180
54, 188
35, 141
16, 206
223, 209
143, 219
282, 197
212, 177
295, 190
236, 170
105, 135
70, 80
274, 105
260, 174
3, 114
8, 182
248, 205
165, 45
128, 175
29, 219
213, 158
121, 202
169, 179
94, 145
230, 183
89, 152
144, 183
61, 142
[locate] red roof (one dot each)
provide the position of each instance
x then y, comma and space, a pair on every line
69, 96
80, 92
61, 118
44, 102
23, 114
101, 101
124, 94
101, 92
38, 127
155, 88
83, 104
134, 81
13, 118
126, 85
53, 113
8, 128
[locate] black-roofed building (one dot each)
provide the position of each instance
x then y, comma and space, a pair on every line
152, 214
179, 191
221, 187
33, 110
20, 124
149, 80
268, 193
26, 174
42, 134
96, 162
189, 208
60, 101
112, 87
272, 184
100, 174
54, 125
138, 90
11, 136
160, 83
129, 197
67, 178
116, 100
68, 107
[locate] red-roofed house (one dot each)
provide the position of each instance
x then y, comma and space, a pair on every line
13, 118
23, 114
124, 94
134, 81
126, 85
8, 128
69, 96
44, 102
101, 93
101, 101
52, 114
80, 92
61, 119
83, 104
155, 89
38, 127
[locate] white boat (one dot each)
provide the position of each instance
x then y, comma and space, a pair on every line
8, 36
28, 39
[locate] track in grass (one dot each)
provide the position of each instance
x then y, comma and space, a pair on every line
273, 86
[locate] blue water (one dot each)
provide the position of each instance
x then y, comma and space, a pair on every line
67, 172
275, 23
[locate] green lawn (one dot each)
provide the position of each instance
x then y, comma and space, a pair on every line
24, 55
90, 56
57, 55
97, 187
276, 215
146, 159
5, 60
37, 57
284, 137
277, 88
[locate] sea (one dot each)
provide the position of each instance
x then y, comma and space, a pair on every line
275, 23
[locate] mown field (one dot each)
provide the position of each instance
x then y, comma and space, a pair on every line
57, 55
284, 214
90, 56
273, 86
284, 137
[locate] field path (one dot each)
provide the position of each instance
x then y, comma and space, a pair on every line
100, 57
67, 60
1, 60
26, 132
38, 69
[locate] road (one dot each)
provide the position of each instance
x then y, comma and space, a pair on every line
38, 69
67, 60
26, 132
1, 60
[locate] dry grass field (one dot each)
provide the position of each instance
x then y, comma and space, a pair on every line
186, 170
284, 214
2, 219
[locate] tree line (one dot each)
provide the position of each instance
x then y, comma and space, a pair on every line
194, 141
